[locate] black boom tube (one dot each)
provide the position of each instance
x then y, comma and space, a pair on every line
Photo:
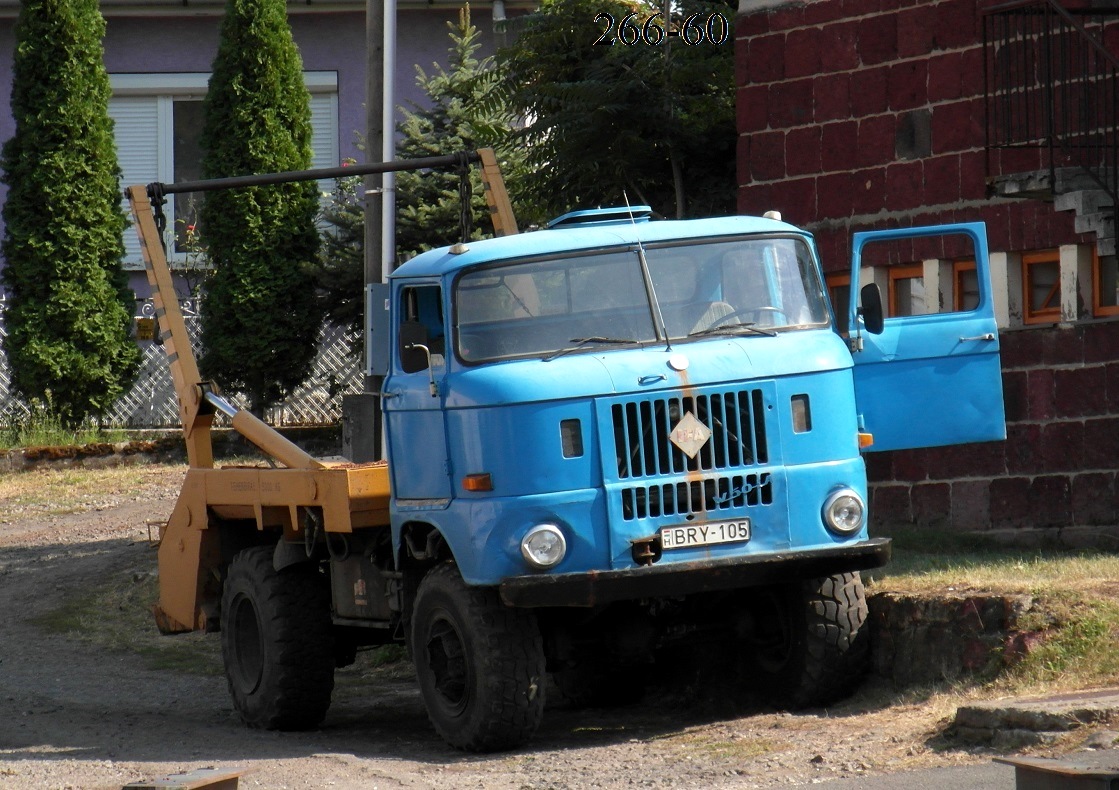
157, 189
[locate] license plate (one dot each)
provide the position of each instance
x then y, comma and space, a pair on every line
706, 534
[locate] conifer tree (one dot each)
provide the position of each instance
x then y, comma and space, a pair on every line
625, 108
428, 203
260, 318
69, 317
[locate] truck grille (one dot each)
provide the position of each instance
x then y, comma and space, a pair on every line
736, 420
697, 496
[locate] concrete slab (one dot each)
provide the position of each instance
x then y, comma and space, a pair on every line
1026, 721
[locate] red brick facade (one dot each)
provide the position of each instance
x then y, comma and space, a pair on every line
866, 114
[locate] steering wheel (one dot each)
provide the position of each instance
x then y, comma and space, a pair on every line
746, 311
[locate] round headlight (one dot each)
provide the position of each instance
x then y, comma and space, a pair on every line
844, 512
544, 546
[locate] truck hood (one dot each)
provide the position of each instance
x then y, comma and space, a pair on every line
629, 370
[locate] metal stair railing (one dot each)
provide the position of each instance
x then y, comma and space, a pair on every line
1051, 84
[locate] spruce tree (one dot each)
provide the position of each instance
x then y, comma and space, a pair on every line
260, 318
428, 205
69, 318
458, 119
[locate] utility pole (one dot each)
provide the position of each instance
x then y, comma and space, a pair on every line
361, 414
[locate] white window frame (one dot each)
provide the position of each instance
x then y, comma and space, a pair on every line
164, 89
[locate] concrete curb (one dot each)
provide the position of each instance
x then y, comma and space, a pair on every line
1032, 721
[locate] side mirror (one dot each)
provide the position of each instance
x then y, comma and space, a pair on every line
871, 310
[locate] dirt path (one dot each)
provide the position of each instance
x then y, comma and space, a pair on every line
80, 714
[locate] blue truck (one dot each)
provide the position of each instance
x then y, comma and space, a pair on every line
604, 438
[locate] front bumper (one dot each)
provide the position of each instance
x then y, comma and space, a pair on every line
673, 579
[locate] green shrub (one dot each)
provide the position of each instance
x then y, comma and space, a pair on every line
69, 319
260, 317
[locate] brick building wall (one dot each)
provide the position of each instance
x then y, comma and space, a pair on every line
869, 114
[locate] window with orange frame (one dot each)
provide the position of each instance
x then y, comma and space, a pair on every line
1041, 287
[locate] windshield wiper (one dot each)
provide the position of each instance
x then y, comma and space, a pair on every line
586, 341
733, 329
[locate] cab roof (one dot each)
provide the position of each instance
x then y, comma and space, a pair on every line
597, 235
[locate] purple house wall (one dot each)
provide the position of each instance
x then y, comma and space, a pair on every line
158, 37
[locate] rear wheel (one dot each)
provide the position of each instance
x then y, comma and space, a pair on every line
479, 663
809, 640
276, 641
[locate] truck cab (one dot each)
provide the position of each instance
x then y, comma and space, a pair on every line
659, 422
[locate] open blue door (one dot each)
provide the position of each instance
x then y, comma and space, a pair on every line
929, 380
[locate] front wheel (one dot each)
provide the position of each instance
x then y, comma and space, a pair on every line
276, 642
480, 664
808, 645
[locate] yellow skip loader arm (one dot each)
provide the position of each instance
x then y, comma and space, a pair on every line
218, 509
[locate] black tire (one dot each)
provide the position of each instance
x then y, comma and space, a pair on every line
479, 663
809, 645
276, 641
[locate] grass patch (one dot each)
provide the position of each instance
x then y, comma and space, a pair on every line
41, 428
53, 491
1076, 614
117, 617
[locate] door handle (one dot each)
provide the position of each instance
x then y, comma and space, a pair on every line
988, 336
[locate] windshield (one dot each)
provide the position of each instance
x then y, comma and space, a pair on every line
599, 299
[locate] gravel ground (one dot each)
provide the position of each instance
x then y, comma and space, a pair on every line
95, 710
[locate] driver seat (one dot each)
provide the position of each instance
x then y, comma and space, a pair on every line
711, 315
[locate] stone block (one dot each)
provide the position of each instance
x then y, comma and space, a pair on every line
795, 199
917, 29
831, 100
1081, 391
748, 26
1051, 501
1010, 503
907, 85
1061, 345
971, 505
787, 17
803, 151
833, 196
890, 505
921, 640
957, 126
1112, 379
932, 504
767, 156
869, 92
942, 180
802, 52
838, 142
1094, 499
790, 104
979, 459
904, 186
765, 60
1014, 395
946, 77
878, 38
973, 186
1101, 344
1023, 449
1042, 395
868, 196
752, 108
839, 46
1101, 443
879, 467
958, 25
876, 141
1062, 446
